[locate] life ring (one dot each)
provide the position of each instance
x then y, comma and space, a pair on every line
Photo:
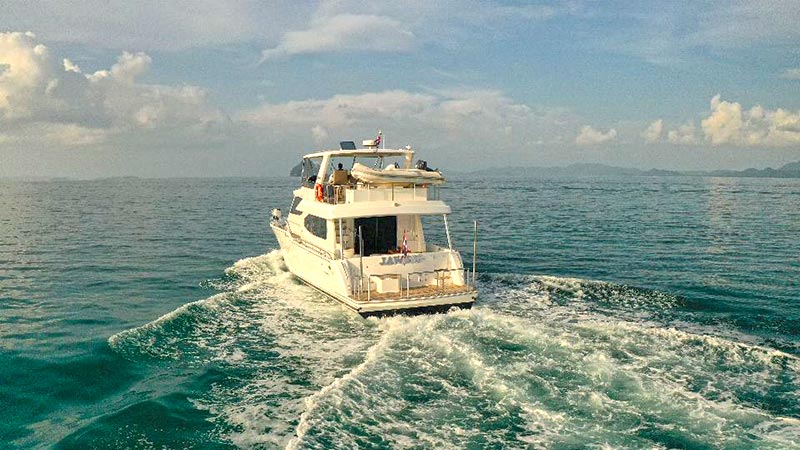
318, 194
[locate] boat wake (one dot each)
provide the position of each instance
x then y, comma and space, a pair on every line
538, 362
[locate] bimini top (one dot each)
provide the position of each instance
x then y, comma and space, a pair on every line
374, 208
366, 152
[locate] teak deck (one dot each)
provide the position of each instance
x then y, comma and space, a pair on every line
414, 292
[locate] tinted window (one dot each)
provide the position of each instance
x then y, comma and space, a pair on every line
378, 233
317, 226
295, 202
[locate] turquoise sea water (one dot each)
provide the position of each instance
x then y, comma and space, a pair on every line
643, 313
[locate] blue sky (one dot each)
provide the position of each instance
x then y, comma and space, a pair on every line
219, 88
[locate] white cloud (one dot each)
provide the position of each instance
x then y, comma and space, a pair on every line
70, 66
48, 99
390, 26
53, 136
51, 104
181, 24
729, 124
590, 136
319, 134
791, 74
153, 24
177, 25
339, 110
72, 135
725, 123
130, 66
474, 119
683, 135
653, 131
345, 32
24, 68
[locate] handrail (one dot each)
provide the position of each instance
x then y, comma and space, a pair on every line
358, 282
335, 194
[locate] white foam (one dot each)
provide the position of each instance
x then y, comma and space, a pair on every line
597, 378
426, 347
562, 372
145, 337
311, 402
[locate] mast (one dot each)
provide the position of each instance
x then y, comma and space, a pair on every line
474, 252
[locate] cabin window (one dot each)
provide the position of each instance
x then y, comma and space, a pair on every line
317, 226
379, 234
294, 209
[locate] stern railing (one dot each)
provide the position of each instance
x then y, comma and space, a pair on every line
441, 286
336, 194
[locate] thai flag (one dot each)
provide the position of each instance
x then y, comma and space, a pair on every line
378, 139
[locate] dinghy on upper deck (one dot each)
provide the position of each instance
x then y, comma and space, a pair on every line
396, 175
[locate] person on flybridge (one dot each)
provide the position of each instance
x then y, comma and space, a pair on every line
339, 176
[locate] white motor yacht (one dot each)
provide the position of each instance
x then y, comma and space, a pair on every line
357, 235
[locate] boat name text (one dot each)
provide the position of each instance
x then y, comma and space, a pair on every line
400, 259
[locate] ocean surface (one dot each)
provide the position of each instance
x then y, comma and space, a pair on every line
642, 313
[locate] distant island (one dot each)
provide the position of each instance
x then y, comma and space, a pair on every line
791, 170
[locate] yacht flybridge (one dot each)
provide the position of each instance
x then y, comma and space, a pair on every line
355, 232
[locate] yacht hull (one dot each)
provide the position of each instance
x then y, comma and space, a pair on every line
331, 277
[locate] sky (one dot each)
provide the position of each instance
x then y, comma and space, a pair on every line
101, 88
